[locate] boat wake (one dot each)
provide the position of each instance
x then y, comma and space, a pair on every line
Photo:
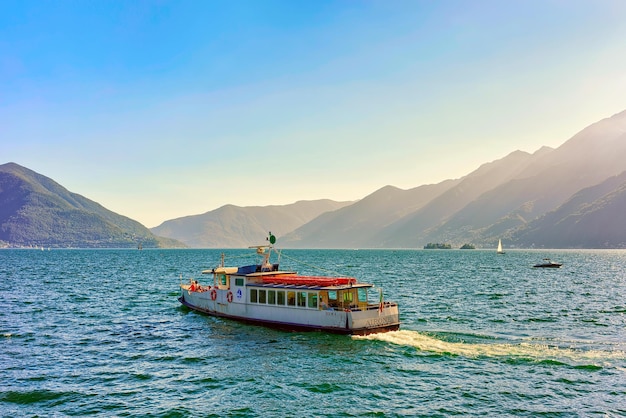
534, 352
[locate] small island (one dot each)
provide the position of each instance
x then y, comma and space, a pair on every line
437, 246
468, 247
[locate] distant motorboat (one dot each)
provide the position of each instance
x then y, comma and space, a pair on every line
547, 263
500, 250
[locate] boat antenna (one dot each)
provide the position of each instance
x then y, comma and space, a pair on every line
271, 238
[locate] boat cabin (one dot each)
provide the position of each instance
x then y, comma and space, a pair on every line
307, 297
283, 288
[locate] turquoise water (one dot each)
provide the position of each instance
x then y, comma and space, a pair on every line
100, 332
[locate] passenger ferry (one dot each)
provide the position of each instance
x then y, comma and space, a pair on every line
263, 294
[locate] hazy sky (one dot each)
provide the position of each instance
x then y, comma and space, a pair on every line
162, 109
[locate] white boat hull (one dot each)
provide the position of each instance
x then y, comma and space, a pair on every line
360, 321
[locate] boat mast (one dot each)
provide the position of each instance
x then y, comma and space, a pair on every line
272, 240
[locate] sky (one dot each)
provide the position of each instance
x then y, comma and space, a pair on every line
163, 109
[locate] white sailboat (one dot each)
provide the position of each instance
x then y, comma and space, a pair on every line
500, 250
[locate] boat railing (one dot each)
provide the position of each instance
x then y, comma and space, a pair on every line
377, 305
364, 306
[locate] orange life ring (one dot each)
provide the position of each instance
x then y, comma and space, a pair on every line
213, 294
229, 296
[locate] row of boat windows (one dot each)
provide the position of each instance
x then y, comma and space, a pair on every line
301, 299
324, 299
307, 299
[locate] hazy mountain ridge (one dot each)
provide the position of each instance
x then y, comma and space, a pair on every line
37, 211
360, 224
589, 157
593, 217
234, 227
416, 229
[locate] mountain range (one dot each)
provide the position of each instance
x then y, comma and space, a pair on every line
37, 211
573, 196
235, 227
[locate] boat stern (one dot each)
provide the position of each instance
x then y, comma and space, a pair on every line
375, 319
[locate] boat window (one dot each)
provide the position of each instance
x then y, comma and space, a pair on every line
239, 281
280, 297
331, 299
222, 279
323, 301
347, 297
312, 303
253, 296
271, 297
262, 296
362, 295
291, 298
302, 299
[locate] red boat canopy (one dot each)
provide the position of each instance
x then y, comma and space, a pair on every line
309, 280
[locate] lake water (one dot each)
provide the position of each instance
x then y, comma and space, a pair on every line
100, 332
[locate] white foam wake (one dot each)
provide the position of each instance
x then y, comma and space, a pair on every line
532, 351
